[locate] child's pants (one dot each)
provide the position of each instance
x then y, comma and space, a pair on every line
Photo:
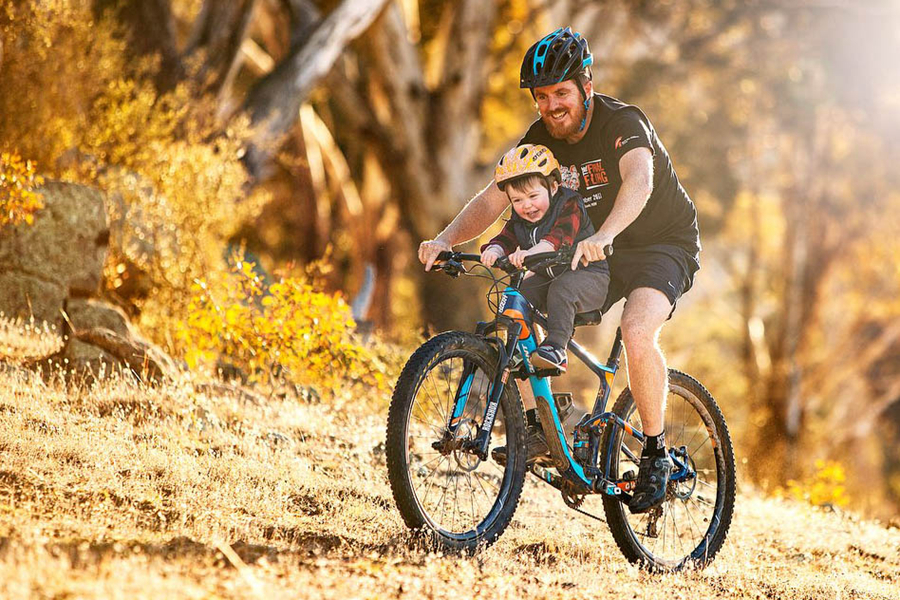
564, 296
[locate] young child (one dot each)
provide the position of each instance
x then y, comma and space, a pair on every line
545, 217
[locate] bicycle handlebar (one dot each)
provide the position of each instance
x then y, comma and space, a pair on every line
452, 265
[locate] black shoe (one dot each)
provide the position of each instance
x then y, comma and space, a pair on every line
550, 357
535, 447
652, 480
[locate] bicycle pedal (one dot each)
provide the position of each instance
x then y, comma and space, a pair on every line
563, 404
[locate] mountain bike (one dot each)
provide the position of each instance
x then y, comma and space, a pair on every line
454, 400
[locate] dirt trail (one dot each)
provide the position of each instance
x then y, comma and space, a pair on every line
118, 491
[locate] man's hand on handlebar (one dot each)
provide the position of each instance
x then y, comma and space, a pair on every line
429, 250
592, 249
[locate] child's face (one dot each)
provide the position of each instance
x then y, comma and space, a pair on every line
530, 204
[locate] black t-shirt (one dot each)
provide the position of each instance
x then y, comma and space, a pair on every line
591, 166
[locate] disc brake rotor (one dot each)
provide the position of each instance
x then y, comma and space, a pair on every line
467, 461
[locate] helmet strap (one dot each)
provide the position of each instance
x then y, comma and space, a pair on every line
587, 104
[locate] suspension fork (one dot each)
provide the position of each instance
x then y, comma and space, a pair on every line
465, 385
483, 439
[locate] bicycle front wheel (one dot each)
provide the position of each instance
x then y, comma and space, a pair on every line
440, 487
691, 525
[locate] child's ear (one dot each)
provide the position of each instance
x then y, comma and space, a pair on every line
554, 187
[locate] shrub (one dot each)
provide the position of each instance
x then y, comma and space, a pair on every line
825, 486
287, 328
18, 180
172, 170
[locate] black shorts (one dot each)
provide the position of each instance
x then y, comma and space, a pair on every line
669, 269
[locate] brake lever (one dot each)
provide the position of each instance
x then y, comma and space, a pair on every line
453, 268
503, 264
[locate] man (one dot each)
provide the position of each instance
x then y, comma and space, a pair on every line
610, 153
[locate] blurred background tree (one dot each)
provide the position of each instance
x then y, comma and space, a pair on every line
296, 128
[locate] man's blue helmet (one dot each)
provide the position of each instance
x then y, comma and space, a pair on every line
556, 57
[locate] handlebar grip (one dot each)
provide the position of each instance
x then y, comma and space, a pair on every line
503, 264
534, 259
608, 250
445, 255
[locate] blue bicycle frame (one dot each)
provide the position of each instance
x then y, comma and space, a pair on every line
577, 467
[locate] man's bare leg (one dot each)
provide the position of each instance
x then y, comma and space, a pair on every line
645, 313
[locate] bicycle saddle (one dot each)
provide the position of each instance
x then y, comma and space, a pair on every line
588, 318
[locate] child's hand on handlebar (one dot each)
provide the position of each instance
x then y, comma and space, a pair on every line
491, 254
517, 258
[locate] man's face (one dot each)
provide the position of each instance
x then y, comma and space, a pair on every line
530, 203
561, 107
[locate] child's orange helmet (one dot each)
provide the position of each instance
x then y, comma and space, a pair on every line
527, 159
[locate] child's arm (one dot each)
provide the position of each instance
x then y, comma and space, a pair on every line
518, 257
505, 240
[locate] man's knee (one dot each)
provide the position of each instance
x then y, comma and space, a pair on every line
642, 322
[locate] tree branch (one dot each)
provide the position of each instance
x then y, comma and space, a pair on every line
219, 32
274, 103
151, 28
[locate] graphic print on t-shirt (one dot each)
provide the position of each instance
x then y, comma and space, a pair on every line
569, 176
594, 174
592, 168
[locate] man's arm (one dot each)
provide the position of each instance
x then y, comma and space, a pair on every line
479, 214
636, 167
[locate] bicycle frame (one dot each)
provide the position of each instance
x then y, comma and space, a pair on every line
517, 316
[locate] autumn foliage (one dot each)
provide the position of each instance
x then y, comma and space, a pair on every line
283, 329
18, 198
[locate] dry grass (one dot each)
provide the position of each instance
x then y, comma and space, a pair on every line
121, 491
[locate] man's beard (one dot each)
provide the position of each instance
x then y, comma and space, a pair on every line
569, 126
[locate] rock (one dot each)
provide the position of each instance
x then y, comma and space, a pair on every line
23, 296
85, 359
105, 329
87, 314
144, 359
61, 254
50, 269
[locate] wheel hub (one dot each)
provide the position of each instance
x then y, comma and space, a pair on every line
684, 486
465, 435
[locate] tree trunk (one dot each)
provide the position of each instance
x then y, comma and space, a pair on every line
275, 100
151, 30
219, 32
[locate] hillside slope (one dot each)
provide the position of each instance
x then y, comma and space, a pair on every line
119, 491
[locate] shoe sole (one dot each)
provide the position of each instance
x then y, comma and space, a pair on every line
538, 361
647, 509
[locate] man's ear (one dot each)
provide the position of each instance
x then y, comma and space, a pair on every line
589, 88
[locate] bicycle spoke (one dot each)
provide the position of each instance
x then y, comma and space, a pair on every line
429, 486
435, 403
675, 530
691, 522
700, 445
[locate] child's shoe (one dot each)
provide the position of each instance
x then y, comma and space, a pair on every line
548, 356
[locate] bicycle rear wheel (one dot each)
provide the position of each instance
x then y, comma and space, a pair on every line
447, 492
691, 526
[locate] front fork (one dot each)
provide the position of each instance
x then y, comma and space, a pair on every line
483, 439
